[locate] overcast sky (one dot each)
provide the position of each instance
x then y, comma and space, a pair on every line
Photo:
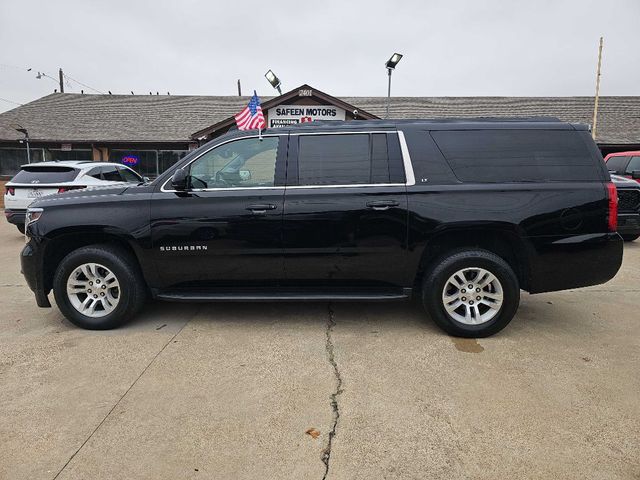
451, 48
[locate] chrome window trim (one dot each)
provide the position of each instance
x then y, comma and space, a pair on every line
353, 185
410, 178
361, 132
404, 149
231, 189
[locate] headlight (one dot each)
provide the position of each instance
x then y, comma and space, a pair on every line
33, 214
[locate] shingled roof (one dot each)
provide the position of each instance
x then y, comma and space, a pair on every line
618, 117
69, 117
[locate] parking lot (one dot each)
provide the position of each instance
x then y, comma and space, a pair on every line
231, 390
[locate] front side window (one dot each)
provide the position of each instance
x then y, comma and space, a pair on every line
634, 165
128, 176
249, 162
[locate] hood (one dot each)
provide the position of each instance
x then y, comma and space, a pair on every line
87, 195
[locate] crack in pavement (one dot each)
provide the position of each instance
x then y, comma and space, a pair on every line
126, 392
329, 347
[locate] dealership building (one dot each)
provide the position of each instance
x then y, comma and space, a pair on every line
152, 132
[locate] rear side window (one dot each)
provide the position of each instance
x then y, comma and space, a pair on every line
496, 156
617, 164
47, 174
347, 159
95, 173
111, 174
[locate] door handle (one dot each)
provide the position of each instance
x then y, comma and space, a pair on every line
261, 208
380, 205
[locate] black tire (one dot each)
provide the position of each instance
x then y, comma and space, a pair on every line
132, 290
20, 227
444, 267
630, 238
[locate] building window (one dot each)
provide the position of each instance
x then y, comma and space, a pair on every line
146, 161
54, 154
12, 158
150, 163
168, 158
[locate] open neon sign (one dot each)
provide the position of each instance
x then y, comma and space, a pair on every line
130, 160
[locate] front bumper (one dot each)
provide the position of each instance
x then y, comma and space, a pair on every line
32, 268
629, 223
15, 216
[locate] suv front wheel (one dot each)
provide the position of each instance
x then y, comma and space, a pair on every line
471, 293
98, 287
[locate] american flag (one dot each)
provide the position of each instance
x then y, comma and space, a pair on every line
251, 117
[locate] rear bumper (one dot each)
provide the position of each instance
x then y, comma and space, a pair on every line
629, 223
571, 262
31, 268
15, 216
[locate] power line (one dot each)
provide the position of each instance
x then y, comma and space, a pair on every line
10, 101
83, 84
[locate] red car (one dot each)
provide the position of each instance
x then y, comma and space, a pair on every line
626, 164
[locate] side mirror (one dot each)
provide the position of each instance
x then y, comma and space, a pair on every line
179, 180
146, 179
635, 174
245, 175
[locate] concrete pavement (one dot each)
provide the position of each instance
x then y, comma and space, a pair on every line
228, 390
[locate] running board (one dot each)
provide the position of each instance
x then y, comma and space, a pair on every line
284, 296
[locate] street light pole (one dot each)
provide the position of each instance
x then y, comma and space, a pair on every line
389, 91
26, 139
19, 128
391, 65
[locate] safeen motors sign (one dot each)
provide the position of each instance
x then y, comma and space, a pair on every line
284, 115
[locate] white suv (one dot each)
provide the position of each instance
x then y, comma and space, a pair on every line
36, 180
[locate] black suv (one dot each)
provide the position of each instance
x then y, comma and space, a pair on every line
461, 214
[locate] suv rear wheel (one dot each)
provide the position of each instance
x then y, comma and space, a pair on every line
471, 293
98, 287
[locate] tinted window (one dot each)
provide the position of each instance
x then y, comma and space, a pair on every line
634, 165
617, 164
45, 174
95, 173
111, 174
488, 156
349, 159
128, 176
242, 163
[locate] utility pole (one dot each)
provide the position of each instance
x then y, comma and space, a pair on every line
239, 89
61, 80
595, 105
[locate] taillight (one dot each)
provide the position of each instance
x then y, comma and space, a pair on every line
10, 191
612, 219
